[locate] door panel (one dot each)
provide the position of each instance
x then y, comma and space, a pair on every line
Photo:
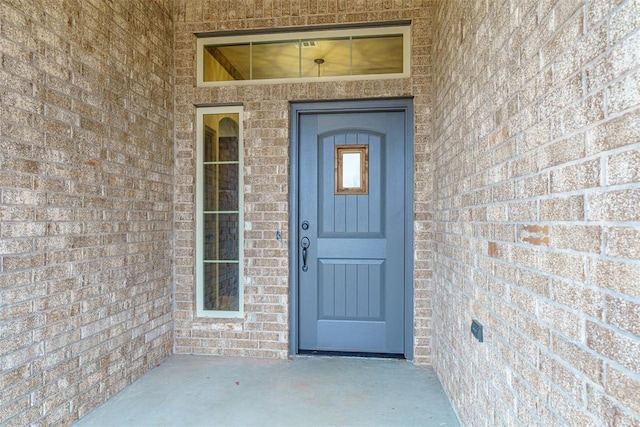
351, 296
350, 291
350, 214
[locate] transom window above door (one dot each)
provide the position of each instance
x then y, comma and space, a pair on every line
338, 54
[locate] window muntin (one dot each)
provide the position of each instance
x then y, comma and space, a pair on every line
380, 52
219, 203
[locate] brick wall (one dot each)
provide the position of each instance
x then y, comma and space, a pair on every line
533, 164
86, 202
537, 210
264, 330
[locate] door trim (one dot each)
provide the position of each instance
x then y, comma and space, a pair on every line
350, 106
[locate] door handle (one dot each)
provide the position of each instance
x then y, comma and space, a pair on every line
305, 243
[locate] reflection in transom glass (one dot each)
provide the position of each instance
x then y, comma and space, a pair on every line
318, 54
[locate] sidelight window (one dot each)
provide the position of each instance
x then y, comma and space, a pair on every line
219, 231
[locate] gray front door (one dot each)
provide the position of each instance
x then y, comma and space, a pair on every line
351, 247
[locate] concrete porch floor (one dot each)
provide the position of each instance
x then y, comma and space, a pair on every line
304, 391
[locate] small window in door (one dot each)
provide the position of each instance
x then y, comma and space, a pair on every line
219, 231
352, 169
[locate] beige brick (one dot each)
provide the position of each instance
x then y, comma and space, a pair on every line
605, 408
625, 93
569, 410
562, 209
623, 168
524, 211
596, 11
534, 234
576, 237
580, 359
615, 276
624, 314
617, 132
535, 282
521, 88
562, 376
624, 56
534, 137
562, 321
564, 265
622, 242
14, 409
67, 167
564, 120
587, 112
579, 297
266, 151
523, 166
562, 151
553, 103
623, 19
533, 187
532, 328
618, 205
624, 388
614, 346
576, 177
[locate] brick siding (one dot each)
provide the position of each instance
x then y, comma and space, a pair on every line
527, 142
537, 210
264, 332
86, 202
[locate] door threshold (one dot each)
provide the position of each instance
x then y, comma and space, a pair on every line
350, 354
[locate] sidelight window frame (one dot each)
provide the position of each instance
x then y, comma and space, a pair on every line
201, 112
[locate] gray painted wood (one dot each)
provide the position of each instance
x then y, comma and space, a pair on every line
352, 298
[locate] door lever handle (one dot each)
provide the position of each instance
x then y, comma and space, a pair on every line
305, 243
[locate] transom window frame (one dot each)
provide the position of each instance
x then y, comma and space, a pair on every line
201, 112
404, 28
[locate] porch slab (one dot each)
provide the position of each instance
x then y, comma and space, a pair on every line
303, 391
